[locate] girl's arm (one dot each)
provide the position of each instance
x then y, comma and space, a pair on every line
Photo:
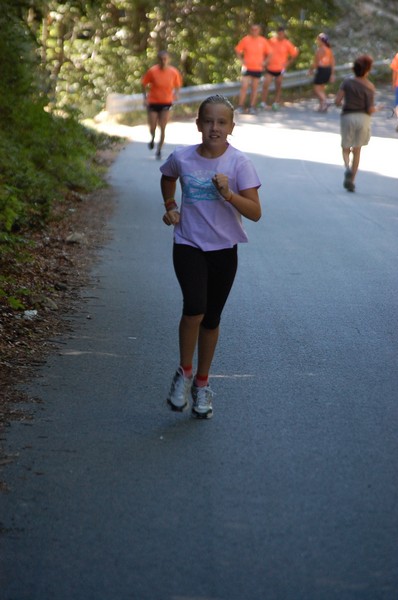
246, 202
168, 187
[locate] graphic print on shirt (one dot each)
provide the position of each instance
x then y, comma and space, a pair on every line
198, 187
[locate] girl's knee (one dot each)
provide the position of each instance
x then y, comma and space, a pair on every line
211, 321
192, 320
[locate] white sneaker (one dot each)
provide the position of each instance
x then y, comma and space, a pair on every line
202, 397
179, 391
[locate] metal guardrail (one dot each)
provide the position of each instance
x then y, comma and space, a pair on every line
121, 103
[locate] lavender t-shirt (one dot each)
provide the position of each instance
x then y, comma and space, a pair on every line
208, 221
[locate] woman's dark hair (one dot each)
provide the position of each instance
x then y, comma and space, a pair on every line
217, 99
362, 65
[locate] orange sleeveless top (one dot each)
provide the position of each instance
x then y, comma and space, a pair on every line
326, 60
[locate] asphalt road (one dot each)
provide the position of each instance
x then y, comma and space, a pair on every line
290, 492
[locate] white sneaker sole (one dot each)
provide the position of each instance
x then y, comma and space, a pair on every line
199, 415
177, 408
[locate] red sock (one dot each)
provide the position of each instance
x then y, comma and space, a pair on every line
201, 380
187, 370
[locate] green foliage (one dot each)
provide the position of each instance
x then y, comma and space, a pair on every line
15, 303
14, 300
42, 153
40, 156
18, 59
10, 208
90, 49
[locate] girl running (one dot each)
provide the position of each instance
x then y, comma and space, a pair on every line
219, 185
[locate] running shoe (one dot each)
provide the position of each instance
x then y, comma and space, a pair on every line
179, 391
239, 110
151, 145
158, 154
202, 407
275, 106
252, 110
347, 183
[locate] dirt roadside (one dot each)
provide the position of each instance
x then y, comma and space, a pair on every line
62, 255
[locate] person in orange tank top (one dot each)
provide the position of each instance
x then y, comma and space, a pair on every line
160, 85
323, 65
251, 51
282, 54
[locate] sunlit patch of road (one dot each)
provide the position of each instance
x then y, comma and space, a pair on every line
278, 140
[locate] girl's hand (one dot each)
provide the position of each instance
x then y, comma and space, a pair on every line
220, 182
171, 217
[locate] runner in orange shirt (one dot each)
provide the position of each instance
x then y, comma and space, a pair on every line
283, 53
251, 51
323, 65
160, 84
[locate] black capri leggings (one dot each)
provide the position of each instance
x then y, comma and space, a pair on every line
206, 279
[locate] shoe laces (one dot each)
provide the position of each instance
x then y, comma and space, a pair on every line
203, 395
181, 384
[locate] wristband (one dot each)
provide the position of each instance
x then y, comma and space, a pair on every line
170, 204
230, 198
